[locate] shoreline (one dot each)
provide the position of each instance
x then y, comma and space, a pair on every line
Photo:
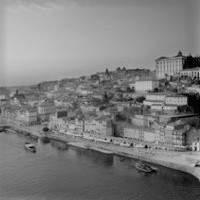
181, 161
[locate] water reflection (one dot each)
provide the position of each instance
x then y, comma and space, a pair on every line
60, 146
175, 177
30, 138
45, 140
94, 156
27, 137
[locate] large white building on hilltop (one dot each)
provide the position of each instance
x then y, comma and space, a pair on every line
169, 66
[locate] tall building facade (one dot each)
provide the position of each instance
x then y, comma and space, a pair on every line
169, 66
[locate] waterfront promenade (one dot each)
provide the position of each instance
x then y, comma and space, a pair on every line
182, 161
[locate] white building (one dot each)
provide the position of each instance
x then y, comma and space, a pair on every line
193, 89
2, 96
100, 126
164, 107
169, 66
55, 122
45, 110
146, 85
154, 98
27, 116
196, 146
131, 132
165, 102
178, 100
149, 136
192, 73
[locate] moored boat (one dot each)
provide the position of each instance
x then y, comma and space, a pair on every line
145, 167
30, 147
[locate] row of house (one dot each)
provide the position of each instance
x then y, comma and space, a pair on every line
148, 130
172, 136
27, 115
101, 126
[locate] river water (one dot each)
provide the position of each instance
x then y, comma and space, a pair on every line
61, 172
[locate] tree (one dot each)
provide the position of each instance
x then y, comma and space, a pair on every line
120, 117
194, 102
79, 114
155, 90
119, 96
128, 89
166, 75
175, 90
75, 105
103, 107
45, 129
191, 62
105, 97
184, 109
95, 77
140, 99
118, 69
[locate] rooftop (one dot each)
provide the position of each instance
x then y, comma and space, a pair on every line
191, 69
182, 96
179, 54
156, 93
143, 80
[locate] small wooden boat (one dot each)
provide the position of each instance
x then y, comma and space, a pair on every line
30, 147
145, 167
154, 169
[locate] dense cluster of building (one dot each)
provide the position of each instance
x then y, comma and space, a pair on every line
130, 107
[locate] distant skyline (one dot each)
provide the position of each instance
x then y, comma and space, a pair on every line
53, 39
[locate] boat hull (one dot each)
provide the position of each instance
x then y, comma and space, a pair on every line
30, 148
145, 168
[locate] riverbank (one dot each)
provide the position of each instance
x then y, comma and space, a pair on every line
182, 161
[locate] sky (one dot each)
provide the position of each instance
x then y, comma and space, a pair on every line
53, 39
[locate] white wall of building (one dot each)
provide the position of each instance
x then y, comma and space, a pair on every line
169, 66
146, 85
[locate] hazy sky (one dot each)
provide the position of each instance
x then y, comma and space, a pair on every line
54, 39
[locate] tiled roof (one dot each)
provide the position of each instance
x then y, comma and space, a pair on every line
155, 93
170, 105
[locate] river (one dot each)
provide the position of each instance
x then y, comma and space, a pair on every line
61, 172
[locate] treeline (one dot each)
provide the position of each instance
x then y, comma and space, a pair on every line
194, 102
191, 62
